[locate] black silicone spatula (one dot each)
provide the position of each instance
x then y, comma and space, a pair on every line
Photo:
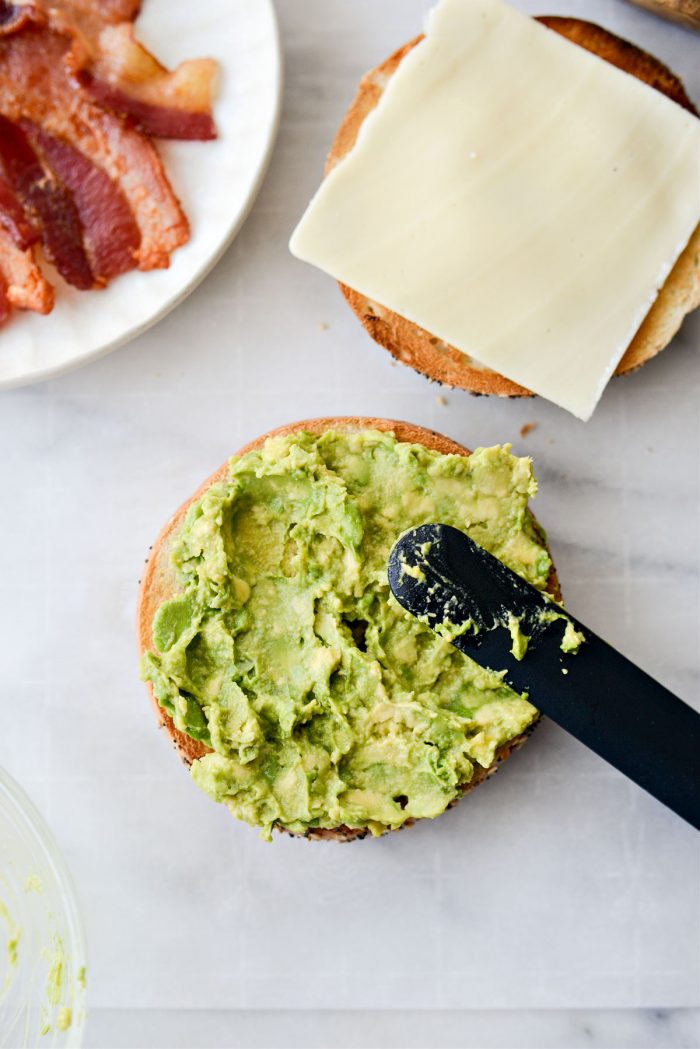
442, 576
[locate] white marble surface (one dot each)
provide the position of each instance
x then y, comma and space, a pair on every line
393, 1029
559, 891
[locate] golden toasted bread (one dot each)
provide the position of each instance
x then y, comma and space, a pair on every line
445, 364
687, 12
160, 583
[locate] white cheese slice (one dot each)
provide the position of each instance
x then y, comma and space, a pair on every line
514, 195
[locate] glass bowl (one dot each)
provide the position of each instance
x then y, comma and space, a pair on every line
42, 943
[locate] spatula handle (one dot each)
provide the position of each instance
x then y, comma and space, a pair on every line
615, 708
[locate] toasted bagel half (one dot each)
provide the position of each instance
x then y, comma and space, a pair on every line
160, 583
445, 364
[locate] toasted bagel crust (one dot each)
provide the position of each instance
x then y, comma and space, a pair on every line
444, 363
159, 584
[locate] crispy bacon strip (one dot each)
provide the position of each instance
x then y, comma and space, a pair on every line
132, 161
4, 301
93, 15
25, 286
111, 235
126, 78
153, 119
35, 85
12, 217
115, 69
47, 204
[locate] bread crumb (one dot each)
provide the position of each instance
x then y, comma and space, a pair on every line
323, 325
527, 428
442, 401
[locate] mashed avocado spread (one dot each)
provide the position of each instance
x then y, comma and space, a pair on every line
324, 703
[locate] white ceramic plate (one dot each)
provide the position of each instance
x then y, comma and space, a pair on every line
216, 182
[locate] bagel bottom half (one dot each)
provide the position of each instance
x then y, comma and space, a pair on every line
160, 583
445, 364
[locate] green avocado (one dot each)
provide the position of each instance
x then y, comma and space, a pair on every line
323, 702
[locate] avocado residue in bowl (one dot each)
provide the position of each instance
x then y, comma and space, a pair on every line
42, 944
323, 702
